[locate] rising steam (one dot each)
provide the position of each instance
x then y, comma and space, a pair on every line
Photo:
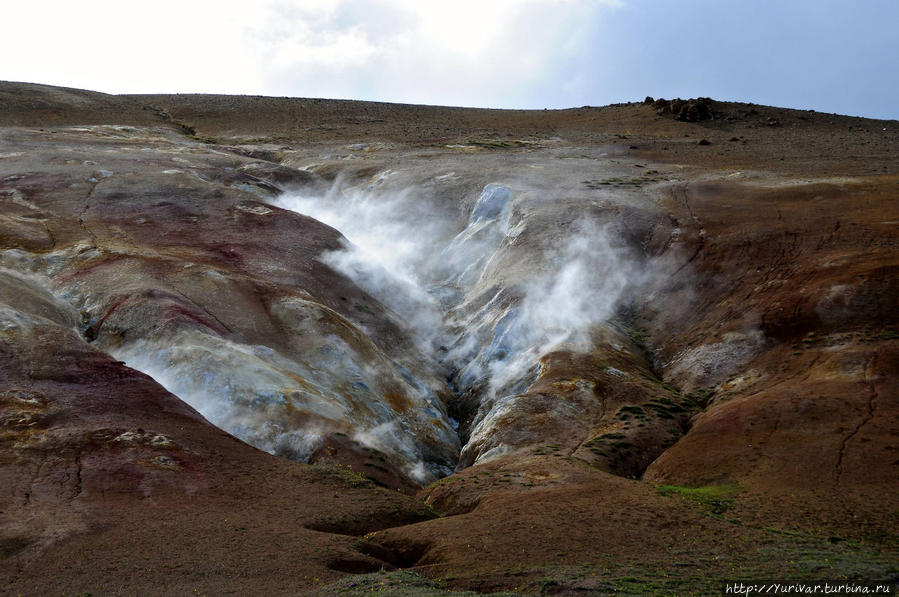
501, 293
387, 239
486, 292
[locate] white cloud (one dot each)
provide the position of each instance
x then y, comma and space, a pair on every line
127, 47
323, 50
496, 53
465, 52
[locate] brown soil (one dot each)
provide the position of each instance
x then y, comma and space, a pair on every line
788, 461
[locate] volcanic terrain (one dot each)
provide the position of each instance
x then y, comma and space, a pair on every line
256, 345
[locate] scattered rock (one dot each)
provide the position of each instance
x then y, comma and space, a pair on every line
704, 142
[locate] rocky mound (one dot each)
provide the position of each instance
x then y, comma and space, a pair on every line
691, 110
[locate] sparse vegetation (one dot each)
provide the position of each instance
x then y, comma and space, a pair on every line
343, 473
398, 583
712, 499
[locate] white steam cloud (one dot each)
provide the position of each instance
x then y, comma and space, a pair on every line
387, 254
503, 292
486, 292
585, 281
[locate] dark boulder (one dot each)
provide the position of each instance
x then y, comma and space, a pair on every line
695, 111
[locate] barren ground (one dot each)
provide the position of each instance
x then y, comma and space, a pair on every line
774, 346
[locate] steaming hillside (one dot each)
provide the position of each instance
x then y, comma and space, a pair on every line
580, 343
438, 302
527, 273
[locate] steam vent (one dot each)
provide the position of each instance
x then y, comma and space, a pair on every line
271, 346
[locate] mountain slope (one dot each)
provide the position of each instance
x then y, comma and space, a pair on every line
651, 362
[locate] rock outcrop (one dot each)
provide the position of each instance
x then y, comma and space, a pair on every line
691, 110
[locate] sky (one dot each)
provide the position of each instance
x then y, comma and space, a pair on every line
826, 55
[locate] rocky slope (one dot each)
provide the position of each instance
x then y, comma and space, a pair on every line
584, 347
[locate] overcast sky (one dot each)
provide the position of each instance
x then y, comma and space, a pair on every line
831, 56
